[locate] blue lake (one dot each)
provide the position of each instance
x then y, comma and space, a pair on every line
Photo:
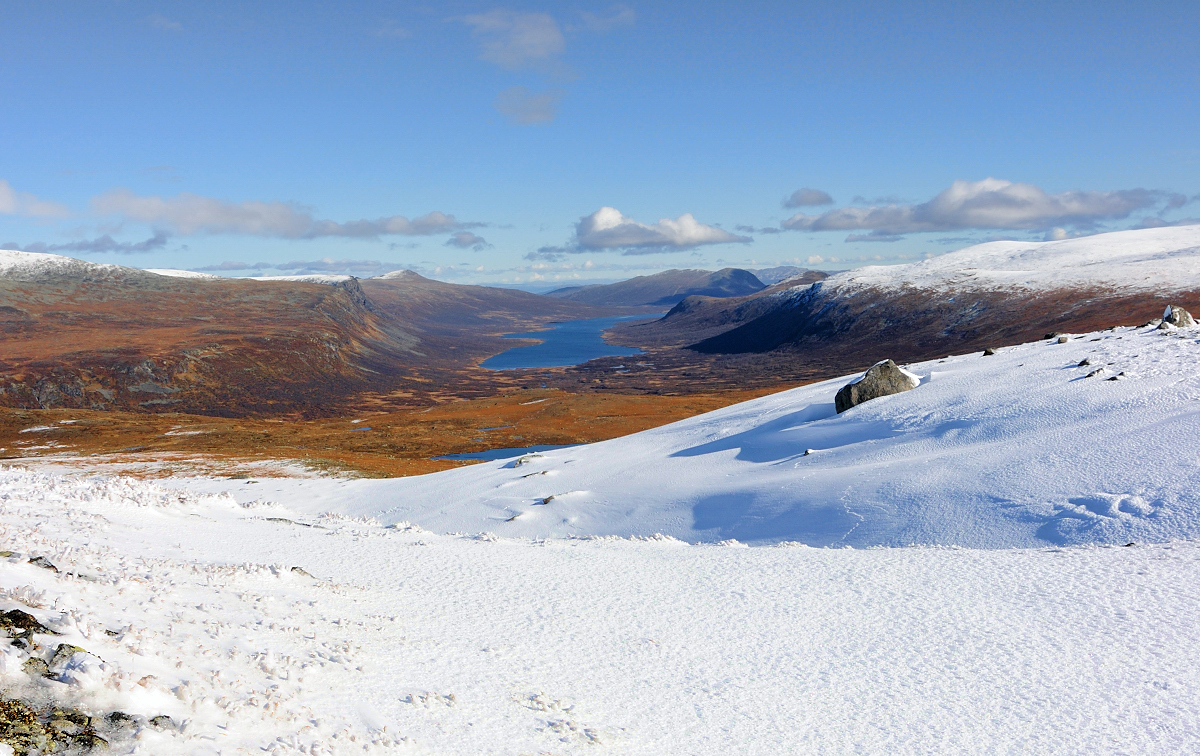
569, 343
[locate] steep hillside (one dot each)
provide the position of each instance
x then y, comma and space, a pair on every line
83, 335
664, 289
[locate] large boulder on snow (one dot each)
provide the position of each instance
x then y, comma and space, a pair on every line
882, 379
1178, 317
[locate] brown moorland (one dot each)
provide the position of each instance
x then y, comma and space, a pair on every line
371, 442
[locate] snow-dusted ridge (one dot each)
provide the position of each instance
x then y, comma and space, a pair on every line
1023, 448
1153, 259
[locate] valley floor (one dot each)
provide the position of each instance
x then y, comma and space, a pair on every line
406, 641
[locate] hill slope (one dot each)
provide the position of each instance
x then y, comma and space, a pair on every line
664, 289
83, 335
1018, 449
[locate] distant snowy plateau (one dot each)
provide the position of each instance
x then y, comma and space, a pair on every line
661, 593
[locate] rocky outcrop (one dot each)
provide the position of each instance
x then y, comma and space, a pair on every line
882, 379
1178, 317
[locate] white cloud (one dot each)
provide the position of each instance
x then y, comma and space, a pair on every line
516, 40
13, 202
619, 15
607, 228
991, 203
192, 214
526, 107
806, 197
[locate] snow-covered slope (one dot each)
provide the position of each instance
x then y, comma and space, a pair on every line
1152, 259
321, 278
176, 273
34, 265
1018, 449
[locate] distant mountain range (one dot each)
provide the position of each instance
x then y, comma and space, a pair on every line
664, 289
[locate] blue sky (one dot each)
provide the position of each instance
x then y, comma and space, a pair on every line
524, 142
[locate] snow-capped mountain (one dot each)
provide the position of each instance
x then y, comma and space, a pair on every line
989, 294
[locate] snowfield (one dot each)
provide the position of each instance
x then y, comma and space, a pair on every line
405, 641
1152, 259
1021, 449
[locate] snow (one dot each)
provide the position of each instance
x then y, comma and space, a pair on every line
1019, 449
23, 265
175, 273
1153, 259
405, 641
322, 278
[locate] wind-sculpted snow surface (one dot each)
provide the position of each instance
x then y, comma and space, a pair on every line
403, 641
1023, 448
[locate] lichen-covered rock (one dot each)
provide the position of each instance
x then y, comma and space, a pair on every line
882, 379
1178, 317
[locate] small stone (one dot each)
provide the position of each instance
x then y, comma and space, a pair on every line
1084, 362
162, 722
90, 741
23, 621
1063, 339
1052, 335
35, 667
43, 562
301, 571
988, 352
7, 554
63, 653
120, 719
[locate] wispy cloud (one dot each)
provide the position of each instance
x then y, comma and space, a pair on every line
391, 30
988, 204
524, 106
617, 16
25, 204
874, 236
164, 23
515, 40
193, 214
807, 198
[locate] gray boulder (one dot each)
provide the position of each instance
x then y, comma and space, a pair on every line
882, 379
1178, 317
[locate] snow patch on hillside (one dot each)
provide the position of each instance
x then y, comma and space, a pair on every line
31, 265
176, 273
1153, 259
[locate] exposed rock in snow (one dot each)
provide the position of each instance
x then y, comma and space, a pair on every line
881, 379
1178, 317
